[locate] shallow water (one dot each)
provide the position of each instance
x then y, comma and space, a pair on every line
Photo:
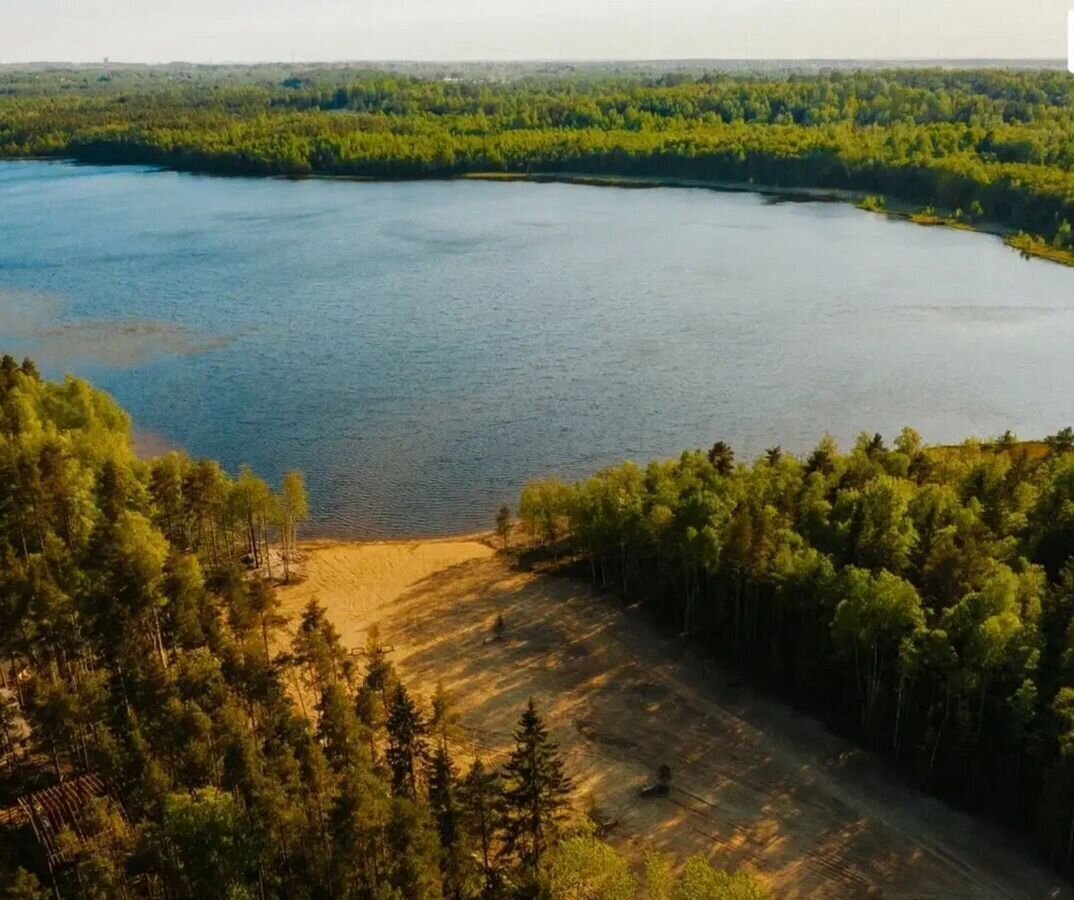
420, 349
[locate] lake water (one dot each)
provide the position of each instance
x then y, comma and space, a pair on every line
421, 349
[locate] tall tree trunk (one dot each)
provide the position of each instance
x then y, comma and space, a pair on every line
939, 737
898, 717
1070, 835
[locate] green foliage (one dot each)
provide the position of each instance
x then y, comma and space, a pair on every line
997, 145
25, 886
407, 743
293, 510
483, 808
584, 868
699, 881
917, 598
503, 524
877, 613
456, 860
138, 604
536, 792
206, 846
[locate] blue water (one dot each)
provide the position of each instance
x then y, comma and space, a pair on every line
421, 349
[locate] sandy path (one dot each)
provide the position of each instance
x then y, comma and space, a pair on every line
755, 784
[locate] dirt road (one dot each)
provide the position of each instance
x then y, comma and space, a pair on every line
756, 785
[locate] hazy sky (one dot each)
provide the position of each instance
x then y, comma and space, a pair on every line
241, 30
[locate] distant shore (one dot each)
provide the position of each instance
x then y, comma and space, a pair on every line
833, 195
1026, 245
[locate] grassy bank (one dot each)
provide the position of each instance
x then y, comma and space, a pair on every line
1027, 245
1030, 246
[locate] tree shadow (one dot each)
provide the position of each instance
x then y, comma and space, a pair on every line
755, 784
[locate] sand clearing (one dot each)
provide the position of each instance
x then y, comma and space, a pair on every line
755, 784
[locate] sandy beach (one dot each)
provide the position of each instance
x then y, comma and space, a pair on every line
756, 785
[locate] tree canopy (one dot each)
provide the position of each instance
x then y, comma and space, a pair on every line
919, 599
176, 741
970, 145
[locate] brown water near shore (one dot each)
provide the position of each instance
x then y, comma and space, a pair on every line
149, 445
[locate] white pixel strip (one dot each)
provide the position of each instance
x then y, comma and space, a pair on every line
1070, 40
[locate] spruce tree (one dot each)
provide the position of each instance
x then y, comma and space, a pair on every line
537, 791
481, 796
722, 458
379, 672
407, 748
444, 804
368, 708
413, 869
338, 728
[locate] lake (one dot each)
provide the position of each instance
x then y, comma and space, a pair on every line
421, 349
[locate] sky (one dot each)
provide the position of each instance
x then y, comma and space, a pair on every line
323, 30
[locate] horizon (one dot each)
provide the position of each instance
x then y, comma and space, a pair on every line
535, 60
453, 31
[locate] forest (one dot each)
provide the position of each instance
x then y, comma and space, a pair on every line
166, 733
977, 148
917, 599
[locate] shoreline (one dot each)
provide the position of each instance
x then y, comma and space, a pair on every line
1027, 245
487, 537
645, 182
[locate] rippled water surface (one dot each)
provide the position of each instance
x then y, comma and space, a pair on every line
421, 349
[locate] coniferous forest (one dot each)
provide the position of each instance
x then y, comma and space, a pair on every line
918, 599
984, 148
166, 733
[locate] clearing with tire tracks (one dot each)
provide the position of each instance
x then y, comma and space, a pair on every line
755, 784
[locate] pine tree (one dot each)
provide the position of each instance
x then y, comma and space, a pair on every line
338, 728
722, 458
265, 604
407, 748
317, 647
359, 818
444, 718
413, 854
503, 524
374, 694
368, 708
379, 672
481, 796
444, 804
537, 790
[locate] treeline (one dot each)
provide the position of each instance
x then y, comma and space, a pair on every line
999, 143
162, 736
919, 599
